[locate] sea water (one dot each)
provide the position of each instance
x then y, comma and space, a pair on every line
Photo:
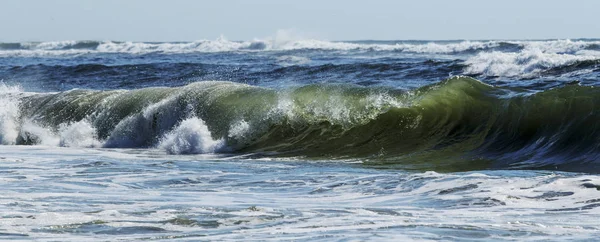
300, 139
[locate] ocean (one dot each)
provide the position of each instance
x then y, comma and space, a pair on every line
300, 139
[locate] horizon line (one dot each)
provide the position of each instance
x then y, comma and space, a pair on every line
346, 40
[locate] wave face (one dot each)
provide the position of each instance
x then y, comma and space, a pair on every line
458, 124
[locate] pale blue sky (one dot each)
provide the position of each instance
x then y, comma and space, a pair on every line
185, 20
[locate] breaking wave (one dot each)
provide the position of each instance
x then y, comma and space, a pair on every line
457, 124
527, 63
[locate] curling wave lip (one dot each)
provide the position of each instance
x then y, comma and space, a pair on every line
457, 124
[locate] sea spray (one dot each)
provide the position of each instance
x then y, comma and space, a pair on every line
9, 114
191, 136
33, 133
78, 134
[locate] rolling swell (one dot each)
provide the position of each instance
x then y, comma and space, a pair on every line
92, 76
135, 76
593, 65
457, 124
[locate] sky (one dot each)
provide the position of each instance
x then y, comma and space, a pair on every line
188, 20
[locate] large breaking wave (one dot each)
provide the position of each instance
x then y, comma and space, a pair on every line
458, 124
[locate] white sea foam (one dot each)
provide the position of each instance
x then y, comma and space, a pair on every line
38, 134
219, 45
78, 134
9, 114
527, 62
53, 45
439, 48
73, 194
239, 129
557, 46
191, 136
535, 57
285, 40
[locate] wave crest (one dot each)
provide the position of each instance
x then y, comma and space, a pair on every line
527, 63
279, 43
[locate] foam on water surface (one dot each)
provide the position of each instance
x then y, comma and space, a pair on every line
191, 136
295, 138
74, 194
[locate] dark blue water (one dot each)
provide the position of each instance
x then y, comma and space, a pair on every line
63, 66
300, 139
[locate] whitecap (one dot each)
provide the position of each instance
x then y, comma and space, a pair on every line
191, 136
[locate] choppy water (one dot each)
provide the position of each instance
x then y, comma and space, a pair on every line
300, 140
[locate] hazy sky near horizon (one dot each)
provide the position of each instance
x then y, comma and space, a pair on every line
186, 20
